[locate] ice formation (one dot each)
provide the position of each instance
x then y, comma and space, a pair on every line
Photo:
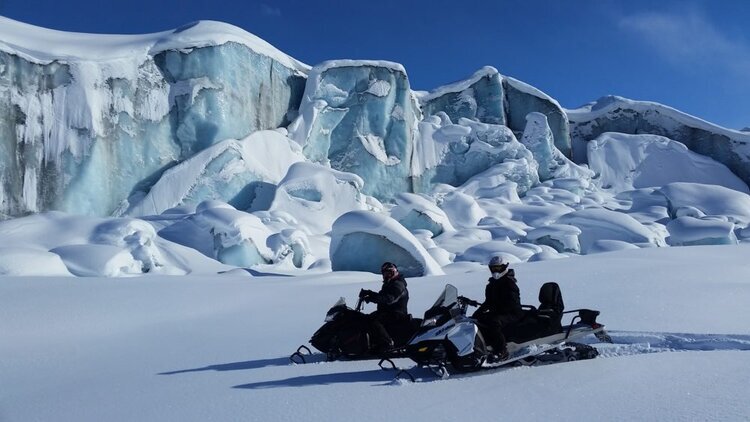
225, 154
617, 114
360, 116
315, 196
652, 160
242, 173
363, 240
85, 119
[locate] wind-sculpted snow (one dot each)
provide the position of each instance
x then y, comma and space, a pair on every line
480, 98
689, 231
89, 246
416, 212
363, 240
617, 114
625, 162
602, 224
242, 173
360, 116
710, 200
80, 131
316, 196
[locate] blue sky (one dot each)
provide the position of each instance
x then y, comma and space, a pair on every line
691, 55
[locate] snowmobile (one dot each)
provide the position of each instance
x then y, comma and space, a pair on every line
347, 334
450, 338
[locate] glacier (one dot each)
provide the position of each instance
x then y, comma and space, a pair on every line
98, 117
206, 149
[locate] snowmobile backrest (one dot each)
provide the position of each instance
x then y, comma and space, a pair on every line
550, 299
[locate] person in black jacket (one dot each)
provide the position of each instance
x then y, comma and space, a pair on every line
392, 300
501, 307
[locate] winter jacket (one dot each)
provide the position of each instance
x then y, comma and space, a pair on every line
392, 297
502, 297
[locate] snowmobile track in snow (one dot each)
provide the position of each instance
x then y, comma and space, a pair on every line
627, 343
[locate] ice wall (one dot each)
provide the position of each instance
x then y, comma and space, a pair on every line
85, 120
617, 114
360, 117
481, 98
523, 99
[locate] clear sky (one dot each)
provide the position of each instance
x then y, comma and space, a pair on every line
690, 55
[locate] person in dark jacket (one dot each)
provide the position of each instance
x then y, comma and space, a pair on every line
392, 300
501, 307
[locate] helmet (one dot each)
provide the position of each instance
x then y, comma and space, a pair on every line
498, 264
389, 270
497, 261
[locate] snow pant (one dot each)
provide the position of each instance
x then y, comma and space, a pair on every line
491, 325
381, 326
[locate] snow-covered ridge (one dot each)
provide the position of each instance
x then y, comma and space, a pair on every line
424, 96
42, 45
609, 103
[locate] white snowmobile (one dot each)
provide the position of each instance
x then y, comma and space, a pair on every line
448, 337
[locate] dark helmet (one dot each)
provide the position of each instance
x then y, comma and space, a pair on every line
389, 271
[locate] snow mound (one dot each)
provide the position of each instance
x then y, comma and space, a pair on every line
625, 162
16, 261
709, 199
417, 212
690, 231
602, 224
363, 240
99, 261
561, 237
483, 252
315, 196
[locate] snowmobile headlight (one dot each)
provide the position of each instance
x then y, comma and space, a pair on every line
430, 322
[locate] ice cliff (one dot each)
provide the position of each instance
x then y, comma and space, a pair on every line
88, 120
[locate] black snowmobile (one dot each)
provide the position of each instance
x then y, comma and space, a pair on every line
448, 337
347, 334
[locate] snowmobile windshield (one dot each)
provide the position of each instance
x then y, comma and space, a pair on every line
447, 298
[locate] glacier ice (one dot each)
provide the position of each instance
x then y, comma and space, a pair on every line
625, 162
243, 173
480, 98
360, 117
523, 99
617, 114
551, 163
80, 131
363, 240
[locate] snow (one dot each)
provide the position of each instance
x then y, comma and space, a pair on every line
687, 231
215, 348
42, 45
625, 162
709, 199
363, 240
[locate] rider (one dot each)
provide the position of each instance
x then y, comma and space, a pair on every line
392, 302
501, 307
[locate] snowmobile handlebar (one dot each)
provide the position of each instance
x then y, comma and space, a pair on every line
468, 301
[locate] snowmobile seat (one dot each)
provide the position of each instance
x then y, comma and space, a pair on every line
542, 321
551, 306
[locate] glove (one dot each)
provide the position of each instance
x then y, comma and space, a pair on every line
365, 294
468, 301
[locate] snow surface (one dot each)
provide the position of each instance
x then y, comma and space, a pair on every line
216, 348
